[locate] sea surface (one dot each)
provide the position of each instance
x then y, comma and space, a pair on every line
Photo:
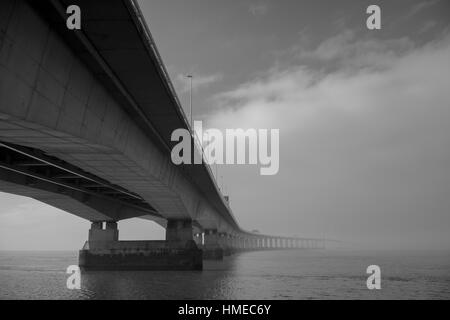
322, 274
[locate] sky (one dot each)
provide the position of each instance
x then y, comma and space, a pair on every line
364, 119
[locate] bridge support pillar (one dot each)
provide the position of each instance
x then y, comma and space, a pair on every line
240, 242
198, 238
233, 243
212, 249
179, 230
98, 234
225, 243
104, 251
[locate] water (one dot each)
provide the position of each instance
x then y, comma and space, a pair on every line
253, 275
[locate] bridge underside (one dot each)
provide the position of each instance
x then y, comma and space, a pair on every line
54, 101
29, 172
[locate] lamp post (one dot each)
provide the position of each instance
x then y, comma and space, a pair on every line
189, 76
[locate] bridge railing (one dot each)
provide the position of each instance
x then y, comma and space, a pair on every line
168, 81
162, 67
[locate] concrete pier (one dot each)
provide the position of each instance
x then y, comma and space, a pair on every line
103, 250
212, 249
225, 242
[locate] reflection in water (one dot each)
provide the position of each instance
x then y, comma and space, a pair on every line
163, 284
253, 275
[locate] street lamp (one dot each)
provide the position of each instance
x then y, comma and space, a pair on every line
189, 76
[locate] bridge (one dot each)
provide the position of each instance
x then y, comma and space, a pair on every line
86, 118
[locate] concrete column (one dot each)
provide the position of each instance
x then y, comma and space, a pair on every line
198, 238
225, 243
211, 238
221, 239
98, 234
179, 230
233, 242
212, 249
97, 225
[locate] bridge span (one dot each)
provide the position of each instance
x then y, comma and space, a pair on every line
86, 118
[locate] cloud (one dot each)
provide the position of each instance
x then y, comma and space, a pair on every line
258, 9
418, 7
428, 26
366, 152
198, 81
345, 51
